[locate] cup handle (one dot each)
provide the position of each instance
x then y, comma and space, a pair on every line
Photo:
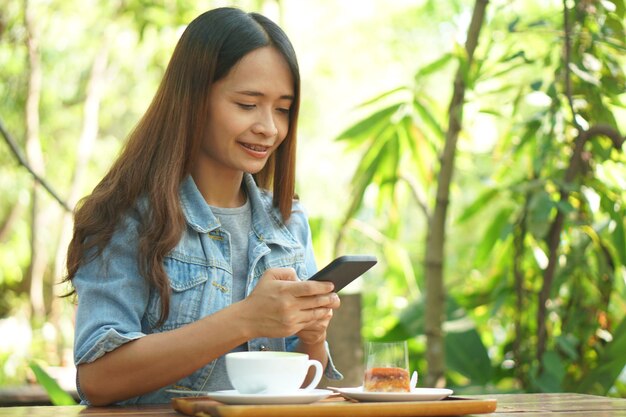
319, 371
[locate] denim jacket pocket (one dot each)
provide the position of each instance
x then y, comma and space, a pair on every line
188, 284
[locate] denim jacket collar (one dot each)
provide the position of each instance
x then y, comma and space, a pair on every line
266, 219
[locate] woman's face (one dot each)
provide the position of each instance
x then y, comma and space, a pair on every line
249, 114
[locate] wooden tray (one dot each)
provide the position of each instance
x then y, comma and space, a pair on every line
335, 407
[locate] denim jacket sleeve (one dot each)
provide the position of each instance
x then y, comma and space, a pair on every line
112, 297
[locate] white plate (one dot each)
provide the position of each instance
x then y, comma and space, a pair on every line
235, 398
416, 394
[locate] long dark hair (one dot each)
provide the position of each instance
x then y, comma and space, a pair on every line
159, 152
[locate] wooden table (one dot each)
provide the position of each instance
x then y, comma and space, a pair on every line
509, 405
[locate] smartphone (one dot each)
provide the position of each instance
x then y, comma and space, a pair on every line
345, 269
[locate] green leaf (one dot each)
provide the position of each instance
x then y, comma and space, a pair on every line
434, 66
381, 96
480, 203
410, 324
497, 230
408, 136
512, 27
465, 351
373, 160
584, 75
530, 132
371, 125
518, 54
57, 395
399, 264
568, 344
367, 169
619, 235
413, 141
467, 355
540, 209
611, 362
619, 8
428, 118
493, 112
614, 27
551, 379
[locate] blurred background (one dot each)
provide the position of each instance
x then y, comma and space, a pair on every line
475, 147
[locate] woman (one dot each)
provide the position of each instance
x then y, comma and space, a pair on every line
180, 254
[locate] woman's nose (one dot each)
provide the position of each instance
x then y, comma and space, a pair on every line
265, 125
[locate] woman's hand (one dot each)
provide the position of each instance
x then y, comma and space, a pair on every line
315, 332
282, 306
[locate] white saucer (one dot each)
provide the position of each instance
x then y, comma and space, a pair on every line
297, 397
416, 394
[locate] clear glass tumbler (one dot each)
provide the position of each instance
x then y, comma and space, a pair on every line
386, 367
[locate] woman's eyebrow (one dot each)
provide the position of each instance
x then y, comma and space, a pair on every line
253, 93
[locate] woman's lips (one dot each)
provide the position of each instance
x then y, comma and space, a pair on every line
258, 151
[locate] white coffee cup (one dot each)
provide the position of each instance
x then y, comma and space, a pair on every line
270, 372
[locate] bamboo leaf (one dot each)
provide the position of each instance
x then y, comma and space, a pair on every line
57, 395
480, 203
434, 66
409, 135
373, 157
428, 118
497, 230
412, 140
530, 132
492, 112
370, 126
366, 171
382, 96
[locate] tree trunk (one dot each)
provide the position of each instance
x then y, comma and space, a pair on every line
85, 145
435, 240
9, 220
554, 234
35, 159
89, 134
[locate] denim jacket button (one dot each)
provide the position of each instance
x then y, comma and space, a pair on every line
263, 348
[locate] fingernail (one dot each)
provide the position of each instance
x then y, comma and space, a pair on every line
334, 296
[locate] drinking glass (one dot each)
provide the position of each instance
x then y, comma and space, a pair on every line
386, 367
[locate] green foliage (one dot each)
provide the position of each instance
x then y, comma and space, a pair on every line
612, 362
57, 395
499, 248
466, 353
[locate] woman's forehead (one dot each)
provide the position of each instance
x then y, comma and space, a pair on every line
264, 70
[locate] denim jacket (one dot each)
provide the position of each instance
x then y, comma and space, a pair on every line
117, 305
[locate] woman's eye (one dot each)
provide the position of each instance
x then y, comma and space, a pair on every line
246, 106
283, 110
